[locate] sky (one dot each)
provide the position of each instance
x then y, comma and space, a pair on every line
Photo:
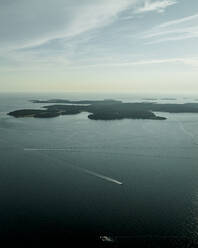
137, 46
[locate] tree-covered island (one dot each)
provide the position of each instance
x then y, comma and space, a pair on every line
105, 109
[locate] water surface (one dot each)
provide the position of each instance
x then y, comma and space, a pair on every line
44, 184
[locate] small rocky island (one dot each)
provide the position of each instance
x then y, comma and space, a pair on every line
104, 109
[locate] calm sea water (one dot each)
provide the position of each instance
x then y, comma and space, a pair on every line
48, 187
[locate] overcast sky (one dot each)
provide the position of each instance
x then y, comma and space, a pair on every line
99, 45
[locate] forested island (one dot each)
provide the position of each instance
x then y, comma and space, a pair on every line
105, 109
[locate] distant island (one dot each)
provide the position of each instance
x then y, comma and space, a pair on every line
104, 109
169, 99
150, 99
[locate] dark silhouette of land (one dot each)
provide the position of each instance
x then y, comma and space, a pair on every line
105, 109
168, 98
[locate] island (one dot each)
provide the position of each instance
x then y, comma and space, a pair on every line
105, 109
168, 99
150, 99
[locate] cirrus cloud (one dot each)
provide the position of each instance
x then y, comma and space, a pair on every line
158, 6
29, 23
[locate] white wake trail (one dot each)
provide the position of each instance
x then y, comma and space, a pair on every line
101, 176
92, 173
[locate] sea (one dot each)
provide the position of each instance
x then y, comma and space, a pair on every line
115, 178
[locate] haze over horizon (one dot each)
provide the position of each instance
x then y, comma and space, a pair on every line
139, 46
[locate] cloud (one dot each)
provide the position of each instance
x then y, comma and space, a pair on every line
174, 30
192, 61
31, 23
47, 64
70, 34
179, 21
158, 6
